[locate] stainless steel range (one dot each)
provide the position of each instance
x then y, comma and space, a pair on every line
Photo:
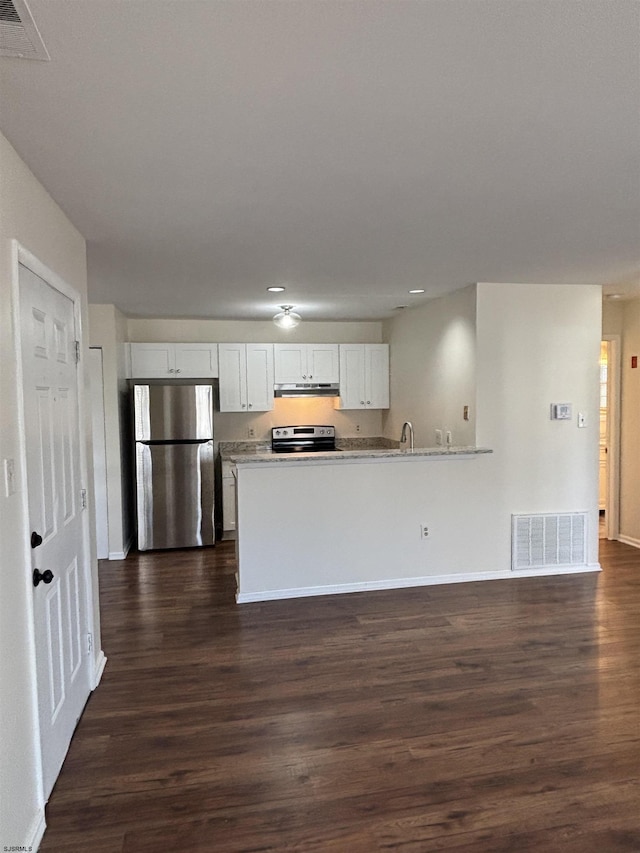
303, 439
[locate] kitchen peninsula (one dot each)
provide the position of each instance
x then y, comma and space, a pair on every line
316, 524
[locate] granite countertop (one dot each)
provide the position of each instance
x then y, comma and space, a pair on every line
250, 449
370, 454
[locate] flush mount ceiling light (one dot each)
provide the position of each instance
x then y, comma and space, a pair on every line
418, 290
275, 289
287, 319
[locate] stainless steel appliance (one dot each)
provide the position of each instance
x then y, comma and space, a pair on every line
307, 389
174, 465
303, 439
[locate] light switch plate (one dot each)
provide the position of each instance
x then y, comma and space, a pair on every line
582, 420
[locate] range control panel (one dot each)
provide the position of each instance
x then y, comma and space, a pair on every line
302, 431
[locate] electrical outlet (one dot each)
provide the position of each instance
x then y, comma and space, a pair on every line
448, 438
465, 413
357, 427
424, 531
251, 433
438, 437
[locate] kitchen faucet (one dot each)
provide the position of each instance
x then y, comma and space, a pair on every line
403, 434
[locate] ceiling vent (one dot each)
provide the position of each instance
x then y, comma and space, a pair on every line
19, 36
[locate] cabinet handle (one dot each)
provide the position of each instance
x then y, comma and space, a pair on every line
310, 376
250, 404
244, 405
304, 375
179, 370
368, 402
362, 402
171, 370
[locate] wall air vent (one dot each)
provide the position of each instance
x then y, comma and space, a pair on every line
548, 540
19, 36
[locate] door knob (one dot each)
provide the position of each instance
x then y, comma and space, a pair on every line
36, 539
45, 577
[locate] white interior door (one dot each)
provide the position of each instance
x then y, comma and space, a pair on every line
55, 512
99, 452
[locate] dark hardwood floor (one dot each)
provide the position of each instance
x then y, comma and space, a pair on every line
497, 716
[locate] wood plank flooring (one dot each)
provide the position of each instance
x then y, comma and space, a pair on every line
497, 716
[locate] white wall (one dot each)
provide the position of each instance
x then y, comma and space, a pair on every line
535, 344
539, 344
235, 426
107, 329
612, 317
29, 215
145, 330
432, 351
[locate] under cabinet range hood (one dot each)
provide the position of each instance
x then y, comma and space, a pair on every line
307, 389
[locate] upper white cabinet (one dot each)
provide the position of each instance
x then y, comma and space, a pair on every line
306, 363
364, 376
246, 377
173, 361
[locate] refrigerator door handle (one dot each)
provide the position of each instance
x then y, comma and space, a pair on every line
161, 441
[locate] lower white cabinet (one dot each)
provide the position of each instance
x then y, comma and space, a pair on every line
246, 377
364, 376
173, 361
228, 497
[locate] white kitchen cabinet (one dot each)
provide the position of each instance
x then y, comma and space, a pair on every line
173, 361
228, 497
306, 363
364, 376
246, 377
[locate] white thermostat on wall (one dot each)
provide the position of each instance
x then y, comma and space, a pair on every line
561, 411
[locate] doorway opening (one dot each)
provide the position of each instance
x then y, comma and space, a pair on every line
603, 479
609, 445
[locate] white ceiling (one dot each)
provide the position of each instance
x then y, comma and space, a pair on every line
348, 149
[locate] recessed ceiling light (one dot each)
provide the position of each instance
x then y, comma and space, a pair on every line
418, 290
274, 289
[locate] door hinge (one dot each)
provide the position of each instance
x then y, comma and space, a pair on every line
77, 351
89, 643
83, 498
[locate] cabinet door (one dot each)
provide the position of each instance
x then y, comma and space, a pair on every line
233, 377
352, 390
196, 361
228, 503
377, 376
260, 377
152, 361
323, 362
290, 362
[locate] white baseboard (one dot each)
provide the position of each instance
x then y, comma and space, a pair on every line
98, 668
122, 555
403, 583
36, 832
629, 540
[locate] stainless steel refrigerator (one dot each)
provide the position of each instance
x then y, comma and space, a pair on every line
174, 465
